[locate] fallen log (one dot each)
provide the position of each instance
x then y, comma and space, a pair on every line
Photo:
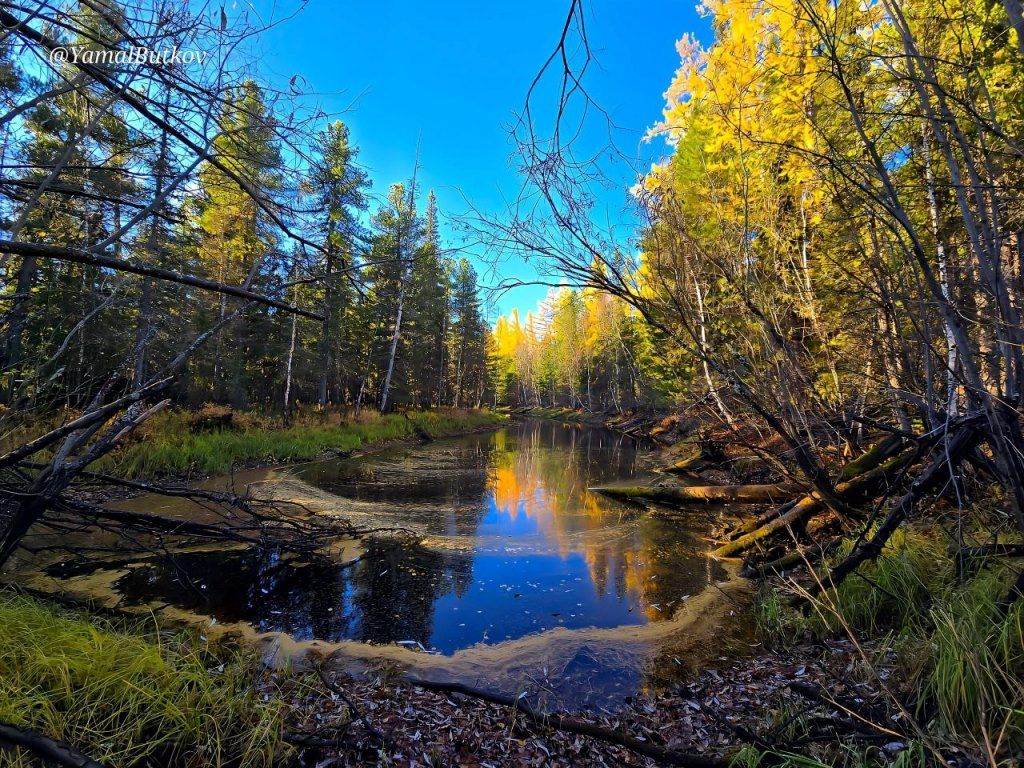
705, 494
812, 503
799, 556
863, 463
942, 468
755, 522
575, 725
871, 458
692, 464
709, 454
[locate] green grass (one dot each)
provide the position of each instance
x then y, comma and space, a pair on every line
172, 445
976, 675
847, 756
955, 648
125, 696
895, 592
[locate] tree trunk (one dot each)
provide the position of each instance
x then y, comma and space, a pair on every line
326, 326
288, 372
393, 352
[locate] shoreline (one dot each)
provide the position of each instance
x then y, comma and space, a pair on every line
727, 692
731, 686
199, 477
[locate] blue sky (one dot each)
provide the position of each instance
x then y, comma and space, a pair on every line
451, 75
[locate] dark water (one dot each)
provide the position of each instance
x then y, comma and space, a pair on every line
515, 544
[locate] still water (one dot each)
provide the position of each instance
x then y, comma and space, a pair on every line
513, 544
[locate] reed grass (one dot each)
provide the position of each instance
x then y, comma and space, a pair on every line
124, 695
958, 651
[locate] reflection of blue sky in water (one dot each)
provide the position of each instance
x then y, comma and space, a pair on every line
542, 551
514, 596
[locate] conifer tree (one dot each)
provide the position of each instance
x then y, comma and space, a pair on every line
236, 239
339, 189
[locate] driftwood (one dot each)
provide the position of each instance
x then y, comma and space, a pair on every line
45, 748
705, 494
575, 725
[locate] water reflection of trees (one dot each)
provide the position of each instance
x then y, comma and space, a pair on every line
540, 471
439, 485
544, 474
389, 595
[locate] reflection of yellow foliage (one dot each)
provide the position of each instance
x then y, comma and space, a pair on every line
549, 488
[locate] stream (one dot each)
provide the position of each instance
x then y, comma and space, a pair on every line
521, 574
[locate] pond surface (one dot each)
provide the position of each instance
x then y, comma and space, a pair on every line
514, 544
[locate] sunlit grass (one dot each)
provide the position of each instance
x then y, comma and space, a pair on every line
171, 444
127, 697
956, 647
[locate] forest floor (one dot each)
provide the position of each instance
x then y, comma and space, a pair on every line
706, 716
130, 687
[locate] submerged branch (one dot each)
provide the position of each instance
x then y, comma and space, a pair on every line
705, 494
